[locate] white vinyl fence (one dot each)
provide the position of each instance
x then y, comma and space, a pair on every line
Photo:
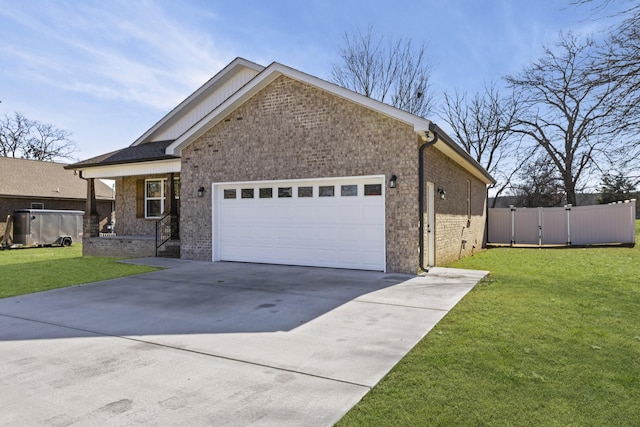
578, 225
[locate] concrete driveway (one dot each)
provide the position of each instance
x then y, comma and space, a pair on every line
213, 344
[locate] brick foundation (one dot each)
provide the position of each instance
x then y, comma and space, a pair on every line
125, 247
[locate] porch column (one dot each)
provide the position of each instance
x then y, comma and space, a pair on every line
91, 222
173, 208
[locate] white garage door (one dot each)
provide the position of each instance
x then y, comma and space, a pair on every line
322, 222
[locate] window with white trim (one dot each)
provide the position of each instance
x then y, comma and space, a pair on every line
154, 196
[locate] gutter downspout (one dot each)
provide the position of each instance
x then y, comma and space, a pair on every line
423, 147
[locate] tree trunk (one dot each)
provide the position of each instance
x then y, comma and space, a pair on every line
570, 189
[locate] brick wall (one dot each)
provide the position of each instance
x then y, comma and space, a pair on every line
456, 235
293, 131
126, 208
118, 247
7, 206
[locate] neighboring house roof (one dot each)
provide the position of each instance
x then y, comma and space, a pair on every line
234, 85
33, 178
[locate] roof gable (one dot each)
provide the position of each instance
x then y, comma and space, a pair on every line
232, 87
33, 178
190, 111
421, 126
268, 75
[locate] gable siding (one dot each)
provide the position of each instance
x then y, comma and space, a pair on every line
207, 105
291, 130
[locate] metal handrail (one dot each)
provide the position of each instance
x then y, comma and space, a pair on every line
162, 235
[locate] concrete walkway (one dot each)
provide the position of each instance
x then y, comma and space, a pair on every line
204, 344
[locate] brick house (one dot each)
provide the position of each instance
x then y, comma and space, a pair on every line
32, 184
272, 165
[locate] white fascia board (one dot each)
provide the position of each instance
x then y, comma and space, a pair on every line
131, 169
267, 76
454, 151
201, 92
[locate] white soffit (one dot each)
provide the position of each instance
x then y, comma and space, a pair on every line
131, 169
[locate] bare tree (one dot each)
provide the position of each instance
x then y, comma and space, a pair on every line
482, 125
540, 184
14, 131
31, 139
48, 143
618, 60
389, 71
569, 110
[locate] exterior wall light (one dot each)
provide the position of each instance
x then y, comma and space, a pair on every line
201, 191
442, 193
392, 181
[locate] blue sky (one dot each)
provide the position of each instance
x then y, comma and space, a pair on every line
108, 70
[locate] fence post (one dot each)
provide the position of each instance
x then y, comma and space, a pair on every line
632, 212
513, 226
539, 226
567, 209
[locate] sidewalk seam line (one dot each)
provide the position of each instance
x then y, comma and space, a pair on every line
217, 356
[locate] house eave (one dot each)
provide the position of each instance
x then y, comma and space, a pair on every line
122, 162
117, 170
453, 150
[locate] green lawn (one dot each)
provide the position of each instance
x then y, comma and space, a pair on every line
23, 271
550, 338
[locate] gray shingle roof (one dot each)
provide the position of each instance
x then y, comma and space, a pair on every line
139, 153
32, 178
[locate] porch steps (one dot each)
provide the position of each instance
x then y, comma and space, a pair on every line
171, 249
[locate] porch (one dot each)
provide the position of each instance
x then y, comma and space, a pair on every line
141, 231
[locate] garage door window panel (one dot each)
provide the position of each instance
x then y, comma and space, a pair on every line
305, 192
373, 190
326, 191
247, 193
266, 193
348, 190
285, 192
